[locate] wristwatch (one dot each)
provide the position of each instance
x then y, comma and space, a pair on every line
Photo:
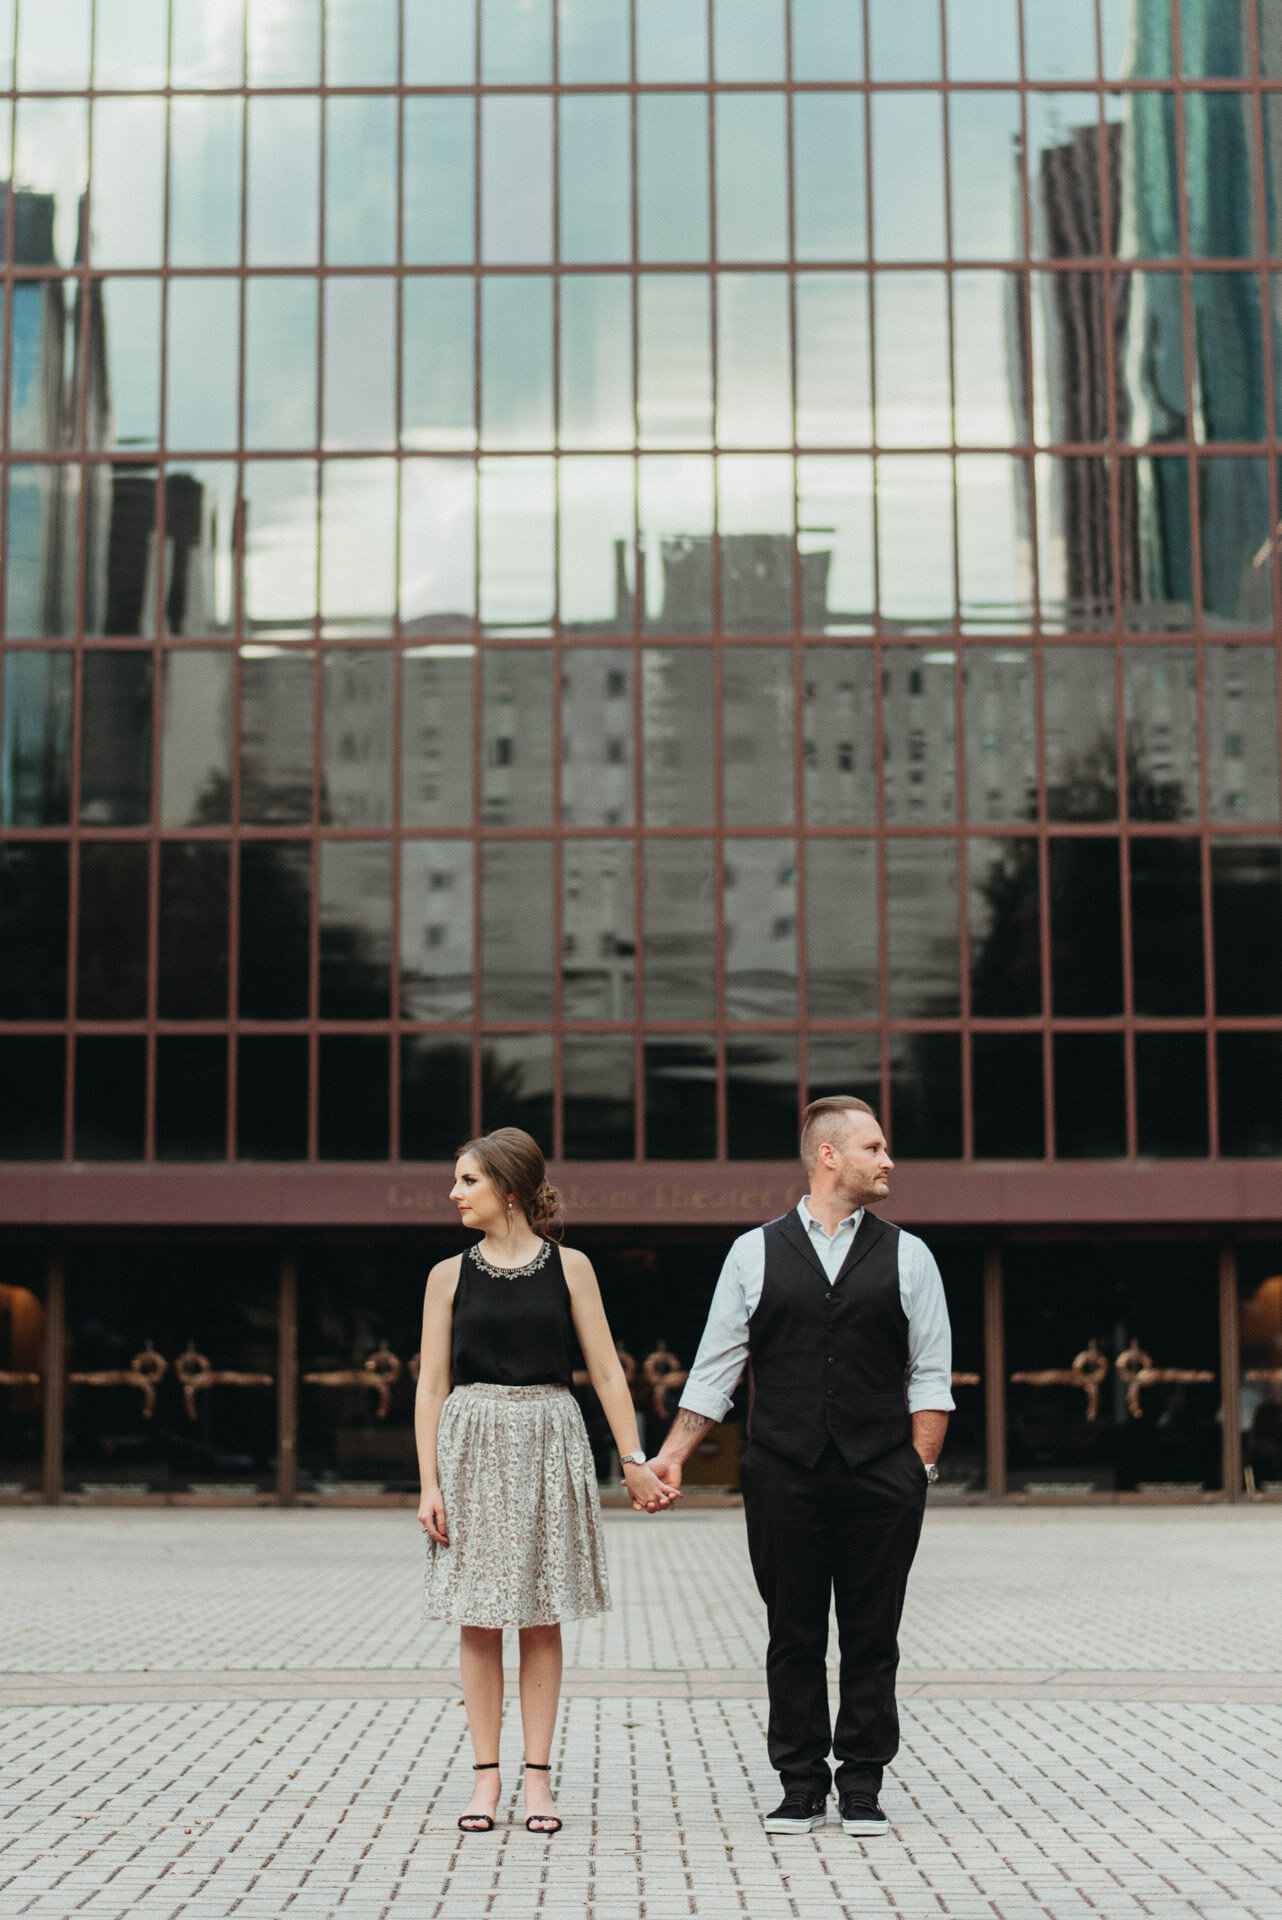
636, 1459
932, 1472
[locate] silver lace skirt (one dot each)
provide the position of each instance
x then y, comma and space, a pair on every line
521, 1511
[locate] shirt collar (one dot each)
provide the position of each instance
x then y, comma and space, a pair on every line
812, 1225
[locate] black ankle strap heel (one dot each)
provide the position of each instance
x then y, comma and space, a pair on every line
548, 1823
478, 1822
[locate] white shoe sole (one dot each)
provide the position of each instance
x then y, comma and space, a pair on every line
772, 1825
865, 1829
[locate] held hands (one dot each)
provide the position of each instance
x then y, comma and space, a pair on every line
431, 1516
646, 1490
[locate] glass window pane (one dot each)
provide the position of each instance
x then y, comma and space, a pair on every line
517, 722
355, 929
749, 40
51, 162
1250, 1093
921, 929
1074, 542
516, 179
903, 40
438, 180
42, 375
436, 736
193, 934
672, 41
995, 560
360, 179
1166, 926
596, 176
271, 1096
908, 176
280, 363
760, 889
360, 363
677, 736
127, 206
356, 742
283, 218
440, 51
120, 585
674, 360
839, 749
1059, 41
986, 141
1001, 734
925, 1096
1086, 927
280, 546
1157, 543
1162, 758
1237, 553
1063, 174
919, 745
597, 756
598, 1086
436, 1096
111, 1096
516, 42
360, 43
518, 545
200, 525
40, 577
438, 403
1007, 1097
517, 1075
517, 911
53, 44
1147, 204
914, 389
436, 932
1071, 325
516, 361
983, 40
752, 177
672, 156
276, 706
680, 930
1137, 45
1271, 108
191, 1096
275, 910
915, 539
844, 1063
595, 397
1004, 919
111, 931
592, 42
761, 1097
842, 966
754, 516
438, 546
829, 188
827, 40
207, 44
835, 543
754, 362
1090, 1096
1246, 904
680, 1097
1171, 1095
33, 930
1241, 733
598, 930
1151, 402
358, 546
1228, 357
35, 757
195, 741
676, 543
757, 736
202, 364
284, 43
1219, 136
115, 740
598, 571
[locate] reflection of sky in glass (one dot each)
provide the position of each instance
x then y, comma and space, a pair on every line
596, 361
438, 545
983, 40
204, 182
752, 177
754, 383
593, 40
51, 156
129, 43
207, 44
440, 44
672, 40
131, 326
437, 380
516, 179
53, 44
903, 38
360, 42
359, 393
596, 177
283, 223
908, 176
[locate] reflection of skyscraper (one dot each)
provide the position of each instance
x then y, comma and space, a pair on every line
40, 592
756, 583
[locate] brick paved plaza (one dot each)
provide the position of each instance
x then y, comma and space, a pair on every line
216, 1714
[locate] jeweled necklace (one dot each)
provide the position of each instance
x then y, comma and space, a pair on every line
511, 1273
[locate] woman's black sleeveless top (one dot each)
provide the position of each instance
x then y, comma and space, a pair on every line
512, 1328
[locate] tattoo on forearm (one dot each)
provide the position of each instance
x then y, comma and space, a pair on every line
692, 1423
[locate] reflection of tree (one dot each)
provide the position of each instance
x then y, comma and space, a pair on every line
1152, 795
1005, 964
1085, 784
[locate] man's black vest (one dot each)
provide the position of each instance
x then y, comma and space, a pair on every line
829, 1358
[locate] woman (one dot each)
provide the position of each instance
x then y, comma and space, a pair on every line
509, 1501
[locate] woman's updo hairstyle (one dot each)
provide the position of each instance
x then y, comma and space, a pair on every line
513, 1163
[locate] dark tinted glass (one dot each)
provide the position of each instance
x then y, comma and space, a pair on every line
436, 1096
35, 758
1250, 1082
925, 1096
761, 1097
353, 1118
1005, 928
844, 1063
111, 973
598, 1074
516, 930
1246, 900
191, 1096
1170, 1094
1166, 926
1086, 927
516, 1085
271, 1096
128, 603
32, 1071
192, 948
355, 929
111, 1096
1006, 1096
1090, 1096
33, 931
922, 930
680, 1099
115, 742
275, 883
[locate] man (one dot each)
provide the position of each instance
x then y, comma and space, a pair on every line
842, 1319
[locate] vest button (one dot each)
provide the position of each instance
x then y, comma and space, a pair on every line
831, 1393
832, 1359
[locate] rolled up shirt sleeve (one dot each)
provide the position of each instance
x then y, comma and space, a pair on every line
930, 1339
723, 1350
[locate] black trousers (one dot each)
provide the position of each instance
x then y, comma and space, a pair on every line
815, 1533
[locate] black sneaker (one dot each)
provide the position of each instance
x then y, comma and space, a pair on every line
861, 1813
800, 1811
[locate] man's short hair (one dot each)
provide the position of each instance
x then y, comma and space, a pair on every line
821, 1121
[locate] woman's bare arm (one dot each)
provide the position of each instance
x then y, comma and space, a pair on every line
606, 1374
433, 1390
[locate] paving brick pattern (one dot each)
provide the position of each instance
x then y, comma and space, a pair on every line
341, 1801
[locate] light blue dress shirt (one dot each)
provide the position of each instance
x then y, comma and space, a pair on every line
723, 1350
